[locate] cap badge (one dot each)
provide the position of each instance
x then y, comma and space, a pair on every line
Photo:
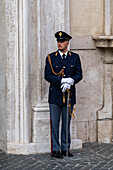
60, 34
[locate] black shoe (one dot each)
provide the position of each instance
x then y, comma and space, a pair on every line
57, 154
69, 154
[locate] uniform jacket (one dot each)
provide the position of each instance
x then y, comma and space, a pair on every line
72, 68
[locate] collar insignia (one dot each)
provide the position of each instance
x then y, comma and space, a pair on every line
70, 53
56, 54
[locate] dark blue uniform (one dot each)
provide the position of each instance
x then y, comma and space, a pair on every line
72, 68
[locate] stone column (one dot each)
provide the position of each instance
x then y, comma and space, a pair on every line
12, 72
25, 117
17, 77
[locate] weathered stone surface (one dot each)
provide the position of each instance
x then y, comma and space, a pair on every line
31, 148
89, 91
76, 144
27, 36
104, 130
88, 17
84, 130
2, 76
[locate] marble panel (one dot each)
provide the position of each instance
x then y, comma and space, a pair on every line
86, 17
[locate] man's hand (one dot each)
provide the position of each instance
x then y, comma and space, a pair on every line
65, 86
67, 80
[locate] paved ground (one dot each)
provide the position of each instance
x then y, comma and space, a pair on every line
91, 156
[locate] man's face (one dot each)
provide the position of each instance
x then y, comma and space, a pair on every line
62, 45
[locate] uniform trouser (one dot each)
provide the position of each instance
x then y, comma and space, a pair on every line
56, 112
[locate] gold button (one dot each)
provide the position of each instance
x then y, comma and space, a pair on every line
71, 65
57, 66
63, 66
64, 75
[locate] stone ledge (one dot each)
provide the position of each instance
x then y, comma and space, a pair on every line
103, 41
41, 108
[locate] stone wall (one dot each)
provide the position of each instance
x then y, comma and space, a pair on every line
85, 21
111, 11
86, 17
27, 36
3, 123
93, 18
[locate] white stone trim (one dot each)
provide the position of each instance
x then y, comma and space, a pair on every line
21, 71
12, 94
18, 107
67, 16
17, 126
25, 115
24, 72
107, 17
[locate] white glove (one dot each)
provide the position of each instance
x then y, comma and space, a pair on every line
65, 86
67, 80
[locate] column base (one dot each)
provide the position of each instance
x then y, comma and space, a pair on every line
3, 145
34, 148
76, 144
27, 149
41, 129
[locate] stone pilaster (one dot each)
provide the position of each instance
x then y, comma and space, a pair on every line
12, 93
59, 17
17, 76
105, 113
3, 46
107, 17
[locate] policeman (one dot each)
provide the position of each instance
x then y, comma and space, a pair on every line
63, 71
